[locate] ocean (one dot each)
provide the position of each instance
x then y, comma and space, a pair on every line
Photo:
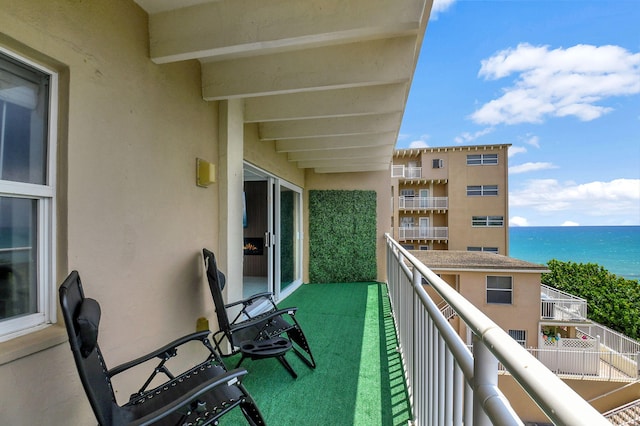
616, 248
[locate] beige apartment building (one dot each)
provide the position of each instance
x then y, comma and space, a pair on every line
451, 198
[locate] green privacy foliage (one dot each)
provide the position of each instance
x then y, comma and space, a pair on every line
342, 236
611, 300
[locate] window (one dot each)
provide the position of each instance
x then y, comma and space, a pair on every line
482, 190
407, 193
437, 163
482, 159
499, 290
519, 336
487, 221
27, 195
487, 249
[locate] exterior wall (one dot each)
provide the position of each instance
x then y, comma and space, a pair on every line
263, 155
131, 218
522, 314
371, 181
462, 207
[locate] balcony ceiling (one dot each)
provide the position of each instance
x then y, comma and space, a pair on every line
327, 81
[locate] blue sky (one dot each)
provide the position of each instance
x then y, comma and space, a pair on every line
559, 80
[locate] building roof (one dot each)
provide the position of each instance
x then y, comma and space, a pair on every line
412, 152
474, 261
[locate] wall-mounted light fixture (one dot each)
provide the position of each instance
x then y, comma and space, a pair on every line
205, 173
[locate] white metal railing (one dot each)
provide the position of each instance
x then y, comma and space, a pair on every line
423, 203
596, 365
450, 385
609, 338
558, 305
423, 233
405, 172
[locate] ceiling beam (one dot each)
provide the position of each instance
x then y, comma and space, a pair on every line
328, 103
348, 65
296, 129
337, 154
231, 28
340, 142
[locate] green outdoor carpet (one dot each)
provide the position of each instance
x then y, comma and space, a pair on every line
358, 379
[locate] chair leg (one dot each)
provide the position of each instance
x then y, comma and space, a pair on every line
296, 335
286, 365
251, 411
240, 362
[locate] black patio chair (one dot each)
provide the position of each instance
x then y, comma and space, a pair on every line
246, 328
198, 396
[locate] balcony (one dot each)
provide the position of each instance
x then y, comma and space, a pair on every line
422, 233
381, 363
404, 172
560, 306
424, 204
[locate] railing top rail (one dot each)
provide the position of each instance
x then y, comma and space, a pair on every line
556, 399
549, 289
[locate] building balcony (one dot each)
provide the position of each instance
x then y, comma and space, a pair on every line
404, 172
560, 306
423, 204
420, 233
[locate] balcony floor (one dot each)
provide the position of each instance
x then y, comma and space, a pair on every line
359, 378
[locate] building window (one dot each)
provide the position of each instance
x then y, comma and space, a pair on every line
482, 190
499, 290
27, 195
519, 336
486, 249
490, 221
482, 159
407, 193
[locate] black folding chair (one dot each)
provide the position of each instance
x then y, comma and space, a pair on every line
198, 396
246, 328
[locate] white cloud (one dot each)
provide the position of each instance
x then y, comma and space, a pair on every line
467, 137
513, 150
518, 221
418, 144
534, 141
440, 6
619, 197
570, 223
559, 82
530, 167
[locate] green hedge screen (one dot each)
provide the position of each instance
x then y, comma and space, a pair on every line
342, 236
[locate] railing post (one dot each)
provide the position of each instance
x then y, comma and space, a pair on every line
485, 374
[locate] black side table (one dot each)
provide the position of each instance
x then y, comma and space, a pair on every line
271, 348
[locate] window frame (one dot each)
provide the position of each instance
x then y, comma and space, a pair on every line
487, 221
45, 195
482, 190
482, 159
519, 336
498, 289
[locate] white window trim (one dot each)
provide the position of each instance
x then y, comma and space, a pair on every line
46, 194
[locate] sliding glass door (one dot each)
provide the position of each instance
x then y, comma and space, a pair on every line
272, 234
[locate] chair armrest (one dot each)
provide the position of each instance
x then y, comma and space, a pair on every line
249, 300
263, 318
166, 350
227, 379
